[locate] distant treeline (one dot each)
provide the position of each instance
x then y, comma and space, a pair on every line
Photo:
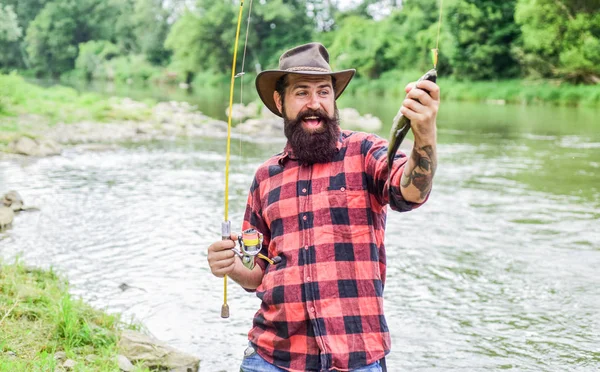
179, 40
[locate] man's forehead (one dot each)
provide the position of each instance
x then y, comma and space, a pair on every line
299, 79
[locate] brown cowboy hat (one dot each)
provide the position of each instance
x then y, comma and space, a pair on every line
307, 59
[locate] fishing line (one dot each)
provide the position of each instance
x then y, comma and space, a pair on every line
437, 43
242, 73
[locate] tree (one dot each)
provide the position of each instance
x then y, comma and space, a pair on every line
203, 38
361, 43
278, 25
55, 33
150, 23
412, 33
561, 38
199, 38
10, 33
484, 31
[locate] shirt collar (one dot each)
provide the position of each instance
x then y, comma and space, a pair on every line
288, 153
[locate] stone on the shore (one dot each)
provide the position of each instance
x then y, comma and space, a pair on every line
264, 126
13, 200
6, 217
69, 364
32, 147
241, 112
154, 354
124, 363
351, 119
60, 356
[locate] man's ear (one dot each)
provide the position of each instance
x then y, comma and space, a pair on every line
277, 99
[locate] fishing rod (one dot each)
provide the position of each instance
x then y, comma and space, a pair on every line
226, 224
250, 241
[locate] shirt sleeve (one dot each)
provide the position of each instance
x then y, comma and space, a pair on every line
253, 220
374, 150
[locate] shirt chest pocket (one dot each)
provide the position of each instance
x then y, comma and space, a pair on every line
343, 215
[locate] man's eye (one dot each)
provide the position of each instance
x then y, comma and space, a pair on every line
324, 92
301, 93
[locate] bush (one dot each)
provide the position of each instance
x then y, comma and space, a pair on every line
92, 58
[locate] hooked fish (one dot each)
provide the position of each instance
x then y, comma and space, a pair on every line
401, 125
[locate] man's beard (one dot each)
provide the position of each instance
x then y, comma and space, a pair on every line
316, 146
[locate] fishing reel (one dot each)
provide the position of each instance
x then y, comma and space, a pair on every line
250, 245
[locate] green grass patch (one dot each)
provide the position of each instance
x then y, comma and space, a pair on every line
58, 103
38, 317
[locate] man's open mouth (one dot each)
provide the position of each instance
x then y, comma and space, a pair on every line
312, 121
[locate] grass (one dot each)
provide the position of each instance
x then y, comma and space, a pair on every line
38, 317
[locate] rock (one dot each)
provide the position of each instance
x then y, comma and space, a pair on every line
69, 364
351, 119
91, 358
13, 200
6, 217
11, 354
124, 363
241, 112
60, 356
155, 354
264, 126
31, 147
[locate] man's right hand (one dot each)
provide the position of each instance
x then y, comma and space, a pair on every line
221, 258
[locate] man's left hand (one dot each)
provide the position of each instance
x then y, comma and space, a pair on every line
421, 107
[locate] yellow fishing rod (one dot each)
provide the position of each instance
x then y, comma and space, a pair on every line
226, 225
250, 240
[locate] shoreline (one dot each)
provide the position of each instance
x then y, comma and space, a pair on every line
45, 328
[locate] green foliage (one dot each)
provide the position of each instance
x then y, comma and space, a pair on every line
203, 39
58, 103
199, 39
561, 39
277, 25
360, 43
131, 68
150, 28
9, 25
484, 31
10, 33
376, 46
92, 58
135, 40
413, 34
60, 27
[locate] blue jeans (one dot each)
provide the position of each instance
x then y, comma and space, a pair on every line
255, 363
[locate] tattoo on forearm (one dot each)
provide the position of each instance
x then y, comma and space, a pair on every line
422, 174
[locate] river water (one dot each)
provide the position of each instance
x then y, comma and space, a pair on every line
499, 270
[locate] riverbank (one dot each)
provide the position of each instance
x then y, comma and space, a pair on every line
39, 121
45, 329
522, 92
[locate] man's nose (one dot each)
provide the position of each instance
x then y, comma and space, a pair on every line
314, 103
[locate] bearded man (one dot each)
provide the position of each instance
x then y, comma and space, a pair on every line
321, 206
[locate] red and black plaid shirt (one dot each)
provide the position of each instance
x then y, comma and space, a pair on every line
322, 305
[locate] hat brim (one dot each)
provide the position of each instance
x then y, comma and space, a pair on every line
266, 81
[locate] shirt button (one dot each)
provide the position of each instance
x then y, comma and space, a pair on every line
306, 247
304, 191
304, 218
343, 189
312, 309
308, 278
